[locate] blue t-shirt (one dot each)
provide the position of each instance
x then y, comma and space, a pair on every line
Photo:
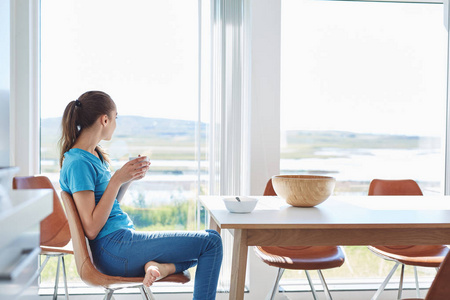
83, 171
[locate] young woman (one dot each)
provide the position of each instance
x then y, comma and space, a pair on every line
118, 249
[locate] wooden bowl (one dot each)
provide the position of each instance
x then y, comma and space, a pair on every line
303, 190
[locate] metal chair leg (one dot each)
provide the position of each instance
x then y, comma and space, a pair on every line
385, 282
108, 294
55, 292
400, 286
38, 272
271, 295
35, 275
325, 286
417, 282
146, 293
313, 290
65, 276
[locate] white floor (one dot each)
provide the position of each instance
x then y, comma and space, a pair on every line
337, 295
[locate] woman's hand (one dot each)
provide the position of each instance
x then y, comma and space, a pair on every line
141, 166
133, 170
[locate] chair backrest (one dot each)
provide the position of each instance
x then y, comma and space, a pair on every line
282, 251
383, 187
440, 289
88, 273
269, 191
86, 269
54, 229
400, 187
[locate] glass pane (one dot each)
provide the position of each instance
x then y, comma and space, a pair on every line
144, 54
363, 89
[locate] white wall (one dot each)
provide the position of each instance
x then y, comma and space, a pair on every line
4, 82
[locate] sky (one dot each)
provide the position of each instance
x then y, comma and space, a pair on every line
364, 66
355, 66
143, 54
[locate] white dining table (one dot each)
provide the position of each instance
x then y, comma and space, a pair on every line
340, 220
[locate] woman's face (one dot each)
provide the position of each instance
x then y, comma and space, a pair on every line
111, 127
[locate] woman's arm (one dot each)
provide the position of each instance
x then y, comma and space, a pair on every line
94, 217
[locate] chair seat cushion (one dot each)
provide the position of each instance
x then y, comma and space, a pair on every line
424, 256
67, 249
302, 258
114, 282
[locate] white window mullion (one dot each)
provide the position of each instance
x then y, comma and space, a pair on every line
447, 140
5, 86
25, 75
215, 96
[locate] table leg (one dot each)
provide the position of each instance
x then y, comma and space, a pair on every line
239, 265
213, 225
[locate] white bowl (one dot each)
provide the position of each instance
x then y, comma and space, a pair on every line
245, 206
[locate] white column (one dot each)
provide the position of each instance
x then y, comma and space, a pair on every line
262, 67
264, 92
245, 109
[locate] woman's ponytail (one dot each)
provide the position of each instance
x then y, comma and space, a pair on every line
70, 129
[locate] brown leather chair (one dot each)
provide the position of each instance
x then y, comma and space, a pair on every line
300, 257
440, 289
412, 255
54, 229
86, 269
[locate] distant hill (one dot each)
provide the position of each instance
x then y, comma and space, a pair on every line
137, 126
297, 143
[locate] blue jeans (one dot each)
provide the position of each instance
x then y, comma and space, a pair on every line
125, 252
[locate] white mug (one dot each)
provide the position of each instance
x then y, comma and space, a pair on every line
134, 157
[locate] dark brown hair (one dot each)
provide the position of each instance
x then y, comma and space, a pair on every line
81, 114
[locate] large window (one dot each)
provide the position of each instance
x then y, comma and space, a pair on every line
363, 96
144, 54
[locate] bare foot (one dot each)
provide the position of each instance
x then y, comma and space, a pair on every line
155, 271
